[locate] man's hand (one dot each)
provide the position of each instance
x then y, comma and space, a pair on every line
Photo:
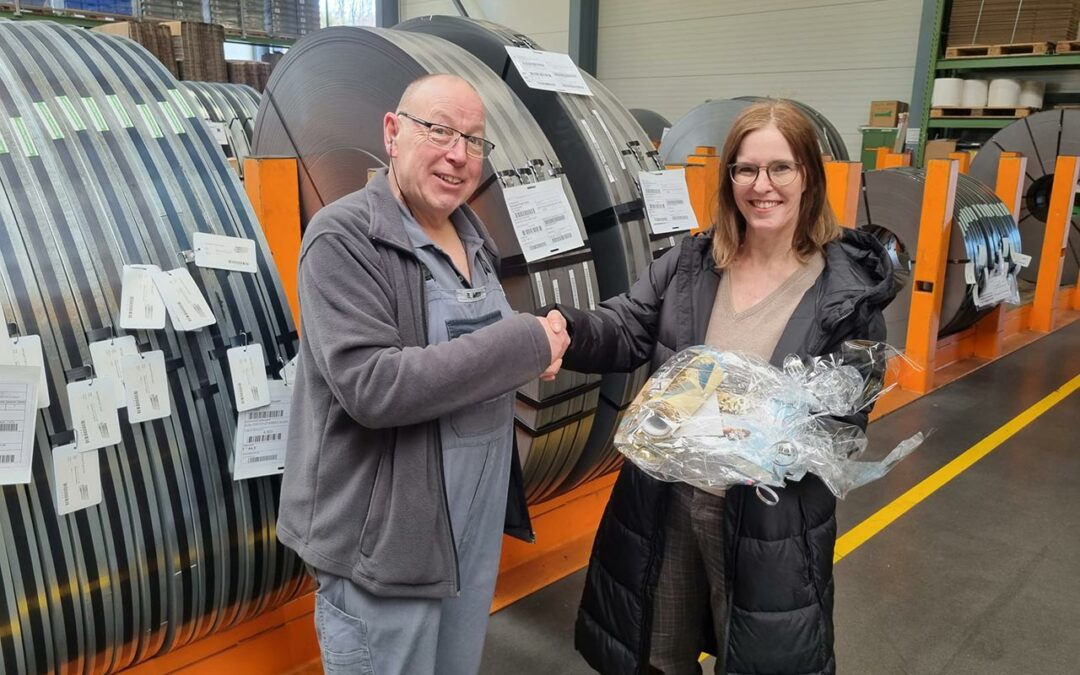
555, 326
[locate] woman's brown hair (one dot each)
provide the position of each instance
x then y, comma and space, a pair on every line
817, 225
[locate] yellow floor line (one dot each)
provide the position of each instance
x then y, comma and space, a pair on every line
862, 532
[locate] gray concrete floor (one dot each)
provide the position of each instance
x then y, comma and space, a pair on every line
982, 577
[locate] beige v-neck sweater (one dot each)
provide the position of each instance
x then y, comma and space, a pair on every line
757, 329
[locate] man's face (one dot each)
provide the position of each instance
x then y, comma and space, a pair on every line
436, 180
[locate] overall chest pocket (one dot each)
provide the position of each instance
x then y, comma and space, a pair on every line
486, 416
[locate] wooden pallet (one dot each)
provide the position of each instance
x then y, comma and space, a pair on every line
1017, 49
973, 113
1067, 47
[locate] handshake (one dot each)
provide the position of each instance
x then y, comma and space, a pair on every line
558, 339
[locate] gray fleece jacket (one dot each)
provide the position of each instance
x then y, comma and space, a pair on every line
363, 495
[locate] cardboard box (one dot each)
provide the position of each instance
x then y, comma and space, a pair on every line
886, 113
938, 149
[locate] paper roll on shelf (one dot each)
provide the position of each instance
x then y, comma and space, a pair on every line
1004, 93
948, 92
1031, 93
975, 94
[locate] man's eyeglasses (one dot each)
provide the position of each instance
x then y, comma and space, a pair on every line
779, 173
446, 137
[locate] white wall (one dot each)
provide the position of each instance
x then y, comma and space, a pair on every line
545, 21
834, 55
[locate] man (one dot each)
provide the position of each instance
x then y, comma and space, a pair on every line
400, 448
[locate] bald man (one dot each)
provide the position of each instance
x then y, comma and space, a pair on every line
400, 474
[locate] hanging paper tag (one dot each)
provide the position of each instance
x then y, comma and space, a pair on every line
248, 369
259, 447
141, 306
147, 386
26, 351
1021, 259
219, 132
550, 71
667, 200
77, 476
106, 356
187, 307
225, 253
93, 413
969, 273
288, 371
18, 421
543, 220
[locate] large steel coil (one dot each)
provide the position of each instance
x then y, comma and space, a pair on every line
104, 163
983, 238
709, 123
603, 149
652, 122
233, 106
325, 104
1041, 138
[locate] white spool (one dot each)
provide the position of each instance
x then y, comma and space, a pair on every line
1004, 93
975, 95
1031, 93
947, 92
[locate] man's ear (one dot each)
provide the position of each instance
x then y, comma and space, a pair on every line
390, 132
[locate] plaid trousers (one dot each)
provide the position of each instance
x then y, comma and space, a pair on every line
691, 582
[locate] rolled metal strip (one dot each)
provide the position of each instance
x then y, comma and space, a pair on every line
1041, 138
231, 105
324, 104
105, 164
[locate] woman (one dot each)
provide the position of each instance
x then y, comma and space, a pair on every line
676, 570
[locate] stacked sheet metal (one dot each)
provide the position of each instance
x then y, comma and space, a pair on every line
602, 148
1041, 138
984, 245
104, 163
325, 104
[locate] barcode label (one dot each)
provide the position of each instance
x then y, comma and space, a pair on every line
262, 458
9, 426
525, 213
266, 414
528, 231
562, 237
7, 459
553, 220
263, 438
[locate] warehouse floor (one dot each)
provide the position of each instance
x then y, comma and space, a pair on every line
982, 576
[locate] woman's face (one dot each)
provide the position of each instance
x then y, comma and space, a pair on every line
768, 207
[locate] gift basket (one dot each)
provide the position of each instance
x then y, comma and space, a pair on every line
717, 419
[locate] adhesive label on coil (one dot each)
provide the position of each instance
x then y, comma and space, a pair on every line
599, 152
118, 108
259, 446
549, 71
28, 147
95, 114
93, 405
247, 368
147, 386
184, 301
148, 117
73, 116
167, 108
219, 131
235, 254
181, 103
18, 421
573, 288
3, 146
543, 220
77, 476
288, 371
611, 139
555, 291
50, 122
588, 286
969, 273
26, 351
107, 357
141, 306
539, 285
667, 201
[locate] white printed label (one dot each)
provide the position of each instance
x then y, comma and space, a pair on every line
588, 286
611, 139
235, 254
573, 289
543, 220
259, 447
77, 476
106, 355
141, 306
288, 372
219, 132
147, 386
596, 146
1021, 259
18, 420
93, 413
27, 351
549, 71
667, 200
248, 369
187, 307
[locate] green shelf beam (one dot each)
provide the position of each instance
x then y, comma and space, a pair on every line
1009, 62
977, 123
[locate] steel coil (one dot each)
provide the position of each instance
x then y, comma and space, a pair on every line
652, 122
232, 105
104, 163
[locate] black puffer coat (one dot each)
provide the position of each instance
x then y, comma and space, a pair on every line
779, 558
